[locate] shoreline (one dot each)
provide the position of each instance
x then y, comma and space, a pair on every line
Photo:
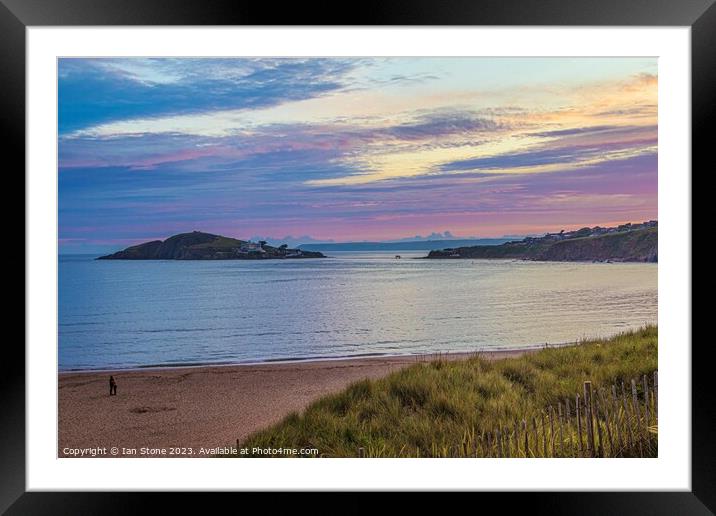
448, 355
208, 406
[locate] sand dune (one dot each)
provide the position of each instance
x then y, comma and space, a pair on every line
203, 406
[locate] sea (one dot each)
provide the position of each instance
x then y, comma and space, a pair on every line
116, 314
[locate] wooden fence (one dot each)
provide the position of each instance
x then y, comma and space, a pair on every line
615, 421
620, 421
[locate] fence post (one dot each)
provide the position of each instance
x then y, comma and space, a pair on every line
551, 427
589, 416
597, 422
645, 381
637, 413
656, 395
568, 422
561, 431
361, 452
615, 407
544, 436
578, 409
635, 402
527, 441
605, 404
627, 415
517, 439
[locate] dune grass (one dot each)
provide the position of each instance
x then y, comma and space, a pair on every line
437, 408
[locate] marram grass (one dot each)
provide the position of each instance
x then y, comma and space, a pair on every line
444, 408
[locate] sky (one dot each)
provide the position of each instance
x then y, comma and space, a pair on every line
352, 149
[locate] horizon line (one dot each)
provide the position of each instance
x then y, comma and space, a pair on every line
388, 241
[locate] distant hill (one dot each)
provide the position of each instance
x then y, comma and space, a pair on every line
205, 246
626, 243
418, 245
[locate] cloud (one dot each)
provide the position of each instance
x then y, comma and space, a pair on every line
339, 150
571, 147
288, 145
126, 203
441, 123
97, 91
576, 131
568, 155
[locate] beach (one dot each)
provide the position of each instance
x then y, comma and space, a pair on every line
206, 406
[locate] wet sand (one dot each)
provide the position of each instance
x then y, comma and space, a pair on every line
205, 407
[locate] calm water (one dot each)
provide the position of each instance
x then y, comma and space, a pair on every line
131, 314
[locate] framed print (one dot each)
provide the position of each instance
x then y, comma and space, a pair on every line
421, 248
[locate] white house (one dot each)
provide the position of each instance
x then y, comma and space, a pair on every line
251, 247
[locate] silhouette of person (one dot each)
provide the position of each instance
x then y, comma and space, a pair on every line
112, 386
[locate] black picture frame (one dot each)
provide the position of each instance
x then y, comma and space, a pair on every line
17, 15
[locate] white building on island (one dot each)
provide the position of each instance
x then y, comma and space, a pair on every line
251, 247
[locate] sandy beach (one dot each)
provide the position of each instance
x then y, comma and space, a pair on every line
203, 406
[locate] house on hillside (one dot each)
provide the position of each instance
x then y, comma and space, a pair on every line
251, 247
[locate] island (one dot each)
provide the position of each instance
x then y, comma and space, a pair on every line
205, 246
625, 243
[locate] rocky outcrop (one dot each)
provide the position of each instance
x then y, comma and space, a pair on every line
205, 246
628, 243
630, 246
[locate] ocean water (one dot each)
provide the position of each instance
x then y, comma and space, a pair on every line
127, 314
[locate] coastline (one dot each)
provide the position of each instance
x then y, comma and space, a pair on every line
208, 406
447, 355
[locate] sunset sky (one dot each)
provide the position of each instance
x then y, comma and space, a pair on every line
353, 148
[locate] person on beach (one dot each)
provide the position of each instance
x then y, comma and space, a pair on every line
112, 386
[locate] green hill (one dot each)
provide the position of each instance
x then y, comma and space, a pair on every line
206, 246
630, 246
628, 243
